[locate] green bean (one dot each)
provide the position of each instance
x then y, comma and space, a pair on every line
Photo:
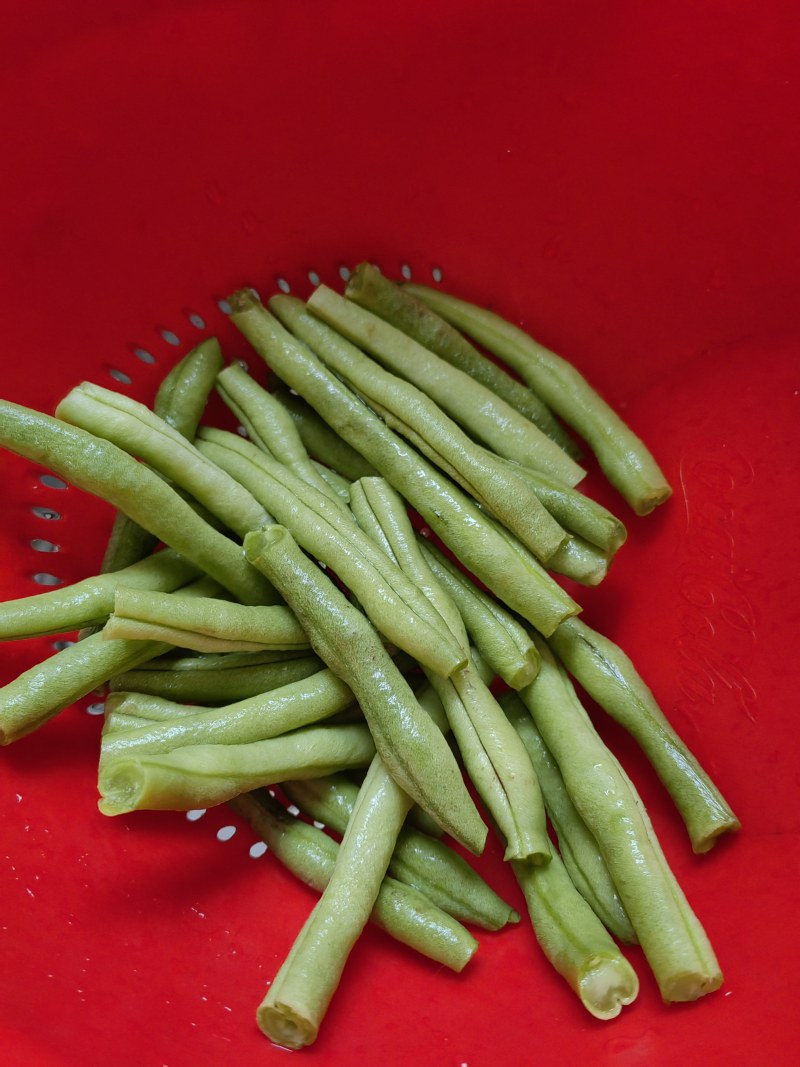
180, 401
206, 624
625, 460
402, 911
99, 467
269, 425
609, 677
579, 560
450, 513
216, 684
578, 848
144, 708
392, 602
335, 481
321, 441
405, 408
477, 409
269, 714
493, 754
412, 746
133, 427
418, 860
200, 776
575, 941
90, 601
298, 998
499, 637
577, 513
369, 288
673, 940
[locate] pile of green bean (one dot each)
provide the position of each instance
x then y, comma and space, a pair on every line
296, 630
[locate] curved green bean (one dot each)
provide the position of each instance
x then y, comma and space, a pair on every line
369, 288
90, 601
625, 460
200, 776
403, 912
411, 745
99, 467
609, 677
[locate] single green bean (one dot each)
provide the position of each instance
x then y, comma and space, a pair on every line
625, 460
575, 941
206, 624
217, 684
609, 677
99, 467
392, 602
412, 746
671, 936
403, 912
579, 560
269, 425
418, 860
299, 996
499, 637
200, 776
450, 513
578, 848
269, 714
416, 416
136, 429
90, 601
482, 413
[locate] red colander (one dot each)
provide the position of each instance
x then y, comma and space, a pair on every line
621, 179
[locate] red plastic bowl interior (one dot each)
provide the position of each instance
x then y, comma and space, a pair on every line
621, 178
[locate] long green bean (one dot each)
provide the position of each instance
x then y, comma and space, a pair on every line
289, 707
99, 467
575, 941
482, 413
450, 513
411, 412
418, 859
625, 460
299, 996
205, 624
412, 746
369, 288
403, 912
609, 677
200, 776
673, 940
216, 678
577, 846
89, 602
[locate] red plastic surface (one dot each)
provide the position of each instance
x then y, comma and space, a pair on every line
620, 177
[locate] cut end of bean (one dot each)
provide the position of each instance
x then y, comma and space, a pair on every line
650, 500
606, 986
120, 784
285, 1026
688, 986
